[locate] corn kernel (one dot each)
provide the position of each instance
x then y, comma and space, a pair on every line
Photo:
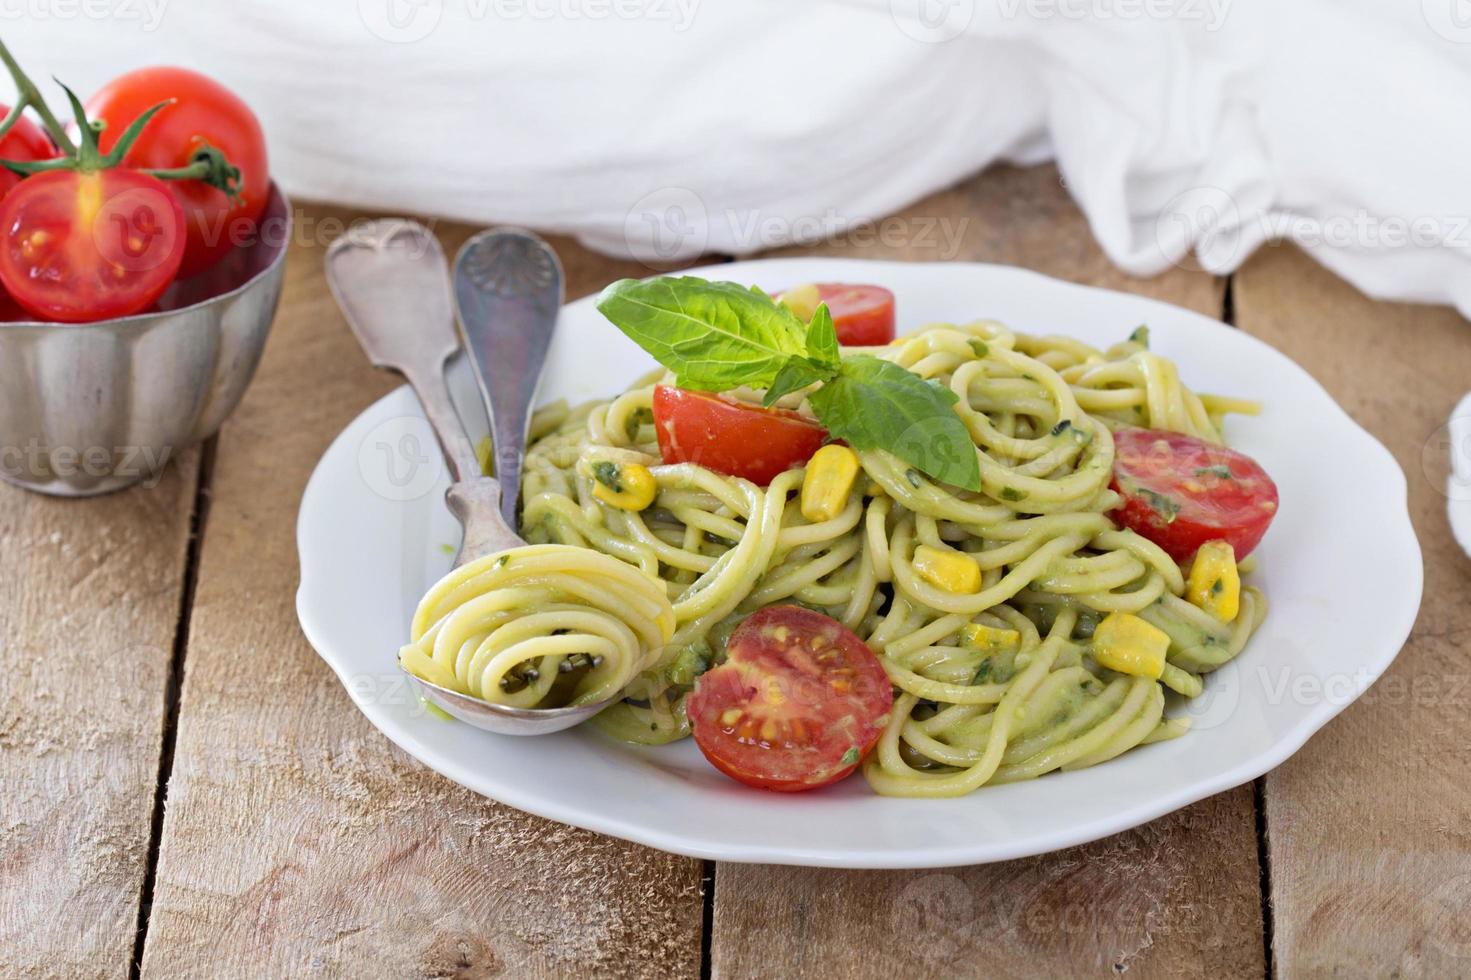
1129, 645
801, 300
827, 482
628, 486
989, 639
1215, 581
949, 570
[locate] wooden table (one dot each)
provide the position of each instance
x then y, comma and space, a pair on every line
188, 791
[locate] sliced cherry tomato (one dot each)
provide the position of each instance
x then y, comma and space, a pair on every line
731, 437
205, 112
797, 704
80, 247
1181, 492
23, 143
863, 315
11, 311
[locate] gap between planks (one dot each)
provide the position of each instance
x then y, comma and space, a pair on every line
173, 688
708, 868
707, 917
1258, 785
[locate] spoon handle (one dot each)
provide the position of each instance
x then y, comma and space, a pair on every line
391, 280
508, 292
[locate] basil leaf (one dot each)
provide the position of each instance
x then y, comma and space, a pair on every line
796, 374
822, 362
714, 336
876, 404
822, 338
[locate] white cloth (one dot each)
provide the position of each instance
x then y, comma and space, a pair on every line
1455, 439
666, 128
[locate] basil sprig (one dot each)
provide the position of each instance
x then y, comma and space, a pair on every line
716, 336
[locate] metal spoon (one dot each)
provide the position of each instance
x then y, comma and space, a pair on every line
508, 292
391, 281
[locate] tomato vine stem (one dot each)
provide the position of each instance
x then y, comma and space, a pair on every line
208, 163
29, 96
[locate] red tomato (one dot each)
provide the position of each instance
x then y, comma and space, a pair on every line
23, 143
731, 437
81, 247
863, 315
205, 112
797, 704
1181, 492
11, 311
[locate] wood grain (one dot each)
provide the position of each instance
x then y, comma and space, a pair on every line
89, 605
1180, 896
1370, 854
298, 840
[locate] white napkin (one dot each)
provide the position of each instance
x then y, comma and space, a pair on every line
1458, 484
665, 128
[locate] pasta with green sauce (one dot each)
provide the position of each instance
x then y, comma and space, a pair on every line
992, 684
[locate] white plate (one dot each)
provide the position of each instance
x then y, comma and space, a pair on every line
1341, 568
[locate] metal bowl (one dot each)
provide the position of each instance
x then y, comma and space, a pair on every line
95, 407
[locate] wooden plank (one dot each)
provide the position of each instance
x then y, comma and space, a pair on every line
89, 606
1370, 860
300, 841
1180, 896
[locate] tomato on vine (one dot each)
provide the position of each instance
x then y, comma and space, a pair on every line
202, 116
22, 141
83, 237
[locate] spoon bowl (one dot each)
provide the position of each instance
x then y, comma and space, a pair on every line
392, 283
503, 719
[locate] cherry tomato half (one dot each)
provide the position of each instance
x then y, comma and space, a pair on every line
863, 315
1181, 492
731, 437
23, 143
797, 704
81, 247
205, 112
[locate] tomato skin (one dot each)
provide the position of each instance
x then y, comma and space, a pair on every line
83, 247
730, 437
863, 315
205, 112
11, 311
1181, 492
23, 143
798, 703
